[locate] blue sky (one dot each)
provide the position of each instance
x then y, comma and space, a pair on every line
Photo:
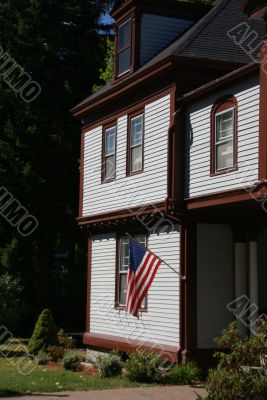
106, 19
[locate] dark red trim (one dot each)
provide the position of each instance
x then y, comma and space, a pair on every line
140, 111
223, 104
190, 291
143, 209
263, 114
128, 345
81, 176
254, 9
89, 273
103, 166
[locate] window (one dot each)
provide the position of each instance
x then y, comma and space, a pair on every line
124, 48
123, 261
109, 154
136, 142
224, 137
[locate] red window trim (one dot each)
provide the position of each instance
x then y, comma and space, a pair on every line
223, 104
118, 306
117, 51
128, 156
103, 164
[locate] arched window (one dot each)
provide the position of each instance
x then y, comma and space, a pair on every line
224, 135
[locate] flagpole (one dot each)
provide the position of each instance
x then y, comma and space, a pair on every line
183, 278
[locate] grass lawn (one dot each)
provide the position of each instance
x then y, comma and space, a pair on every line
45, 379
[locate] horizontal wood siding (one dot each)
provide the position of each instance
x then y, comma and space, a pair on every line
198, 134
215, 281
148, 187
160, 324
157, 32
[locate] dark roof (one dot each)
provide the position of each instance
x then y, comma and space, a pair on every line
207, 39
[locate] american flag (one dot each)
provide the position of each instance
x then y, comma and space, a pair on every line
143, 266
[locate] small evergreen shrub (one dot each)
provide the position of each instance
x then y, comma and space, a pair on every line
233, 379
183, 375
70, 362
42, 358
64, 340
110, 365
145, 366
45, 333
56, 353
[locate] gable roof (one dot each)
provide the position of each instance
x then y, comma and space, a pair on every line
206, 40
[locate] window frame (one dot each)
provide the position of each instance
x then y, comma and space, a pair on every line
119, 238
222, 106
132, 116
104, 156
117, 73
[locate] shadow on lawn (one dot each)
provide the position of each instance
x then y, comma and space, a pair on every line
11, 393
11, 353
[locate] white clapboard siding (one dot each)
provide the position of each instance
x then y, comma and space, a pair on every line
198, 135
157, 32
262, 270
215, 281
160, 324
150, 186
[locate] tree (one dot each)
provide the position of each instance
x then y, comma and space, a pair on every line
44, 334
58, 44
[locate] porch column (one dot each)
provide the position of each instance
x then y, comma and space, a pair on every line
240, 278
253, 280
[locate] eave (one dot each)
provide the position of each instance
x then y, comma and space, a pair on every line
219, 83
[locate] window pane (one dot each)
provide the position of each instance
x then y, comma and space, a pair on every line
124, 35
124, 61
225, 155
110, 167
110, 141
224, 125
124, 254
137, 131
136, 159
123, 289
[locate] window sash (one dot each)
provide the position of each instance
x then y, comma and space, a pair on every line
222, 140
136, 142
124, 47
124, 265
110, 153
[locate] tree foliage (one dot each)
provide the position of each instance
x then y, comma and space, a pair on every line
45, 333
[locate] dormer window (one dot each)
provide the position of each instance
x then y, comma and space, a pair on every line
124, 48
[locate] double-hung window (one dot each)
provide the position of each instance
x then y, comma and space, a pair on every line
224, 137
124, 48
136, 144
122, 268
109, 157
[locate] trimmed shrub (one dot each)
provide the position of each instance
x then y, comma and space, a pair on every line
145, 366
71, 361
42, 358
45, 333
110, 365
183, 375
64, 340
234, 378
56, 353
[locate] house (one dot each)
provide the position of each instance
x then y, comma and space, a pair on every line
173, 151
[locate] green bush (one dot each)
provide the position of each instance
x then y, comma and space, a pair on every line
45, 333
183, 375
42, 358
70, 362
109, 365
64, 340
233, 379
144, 366
56, 353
